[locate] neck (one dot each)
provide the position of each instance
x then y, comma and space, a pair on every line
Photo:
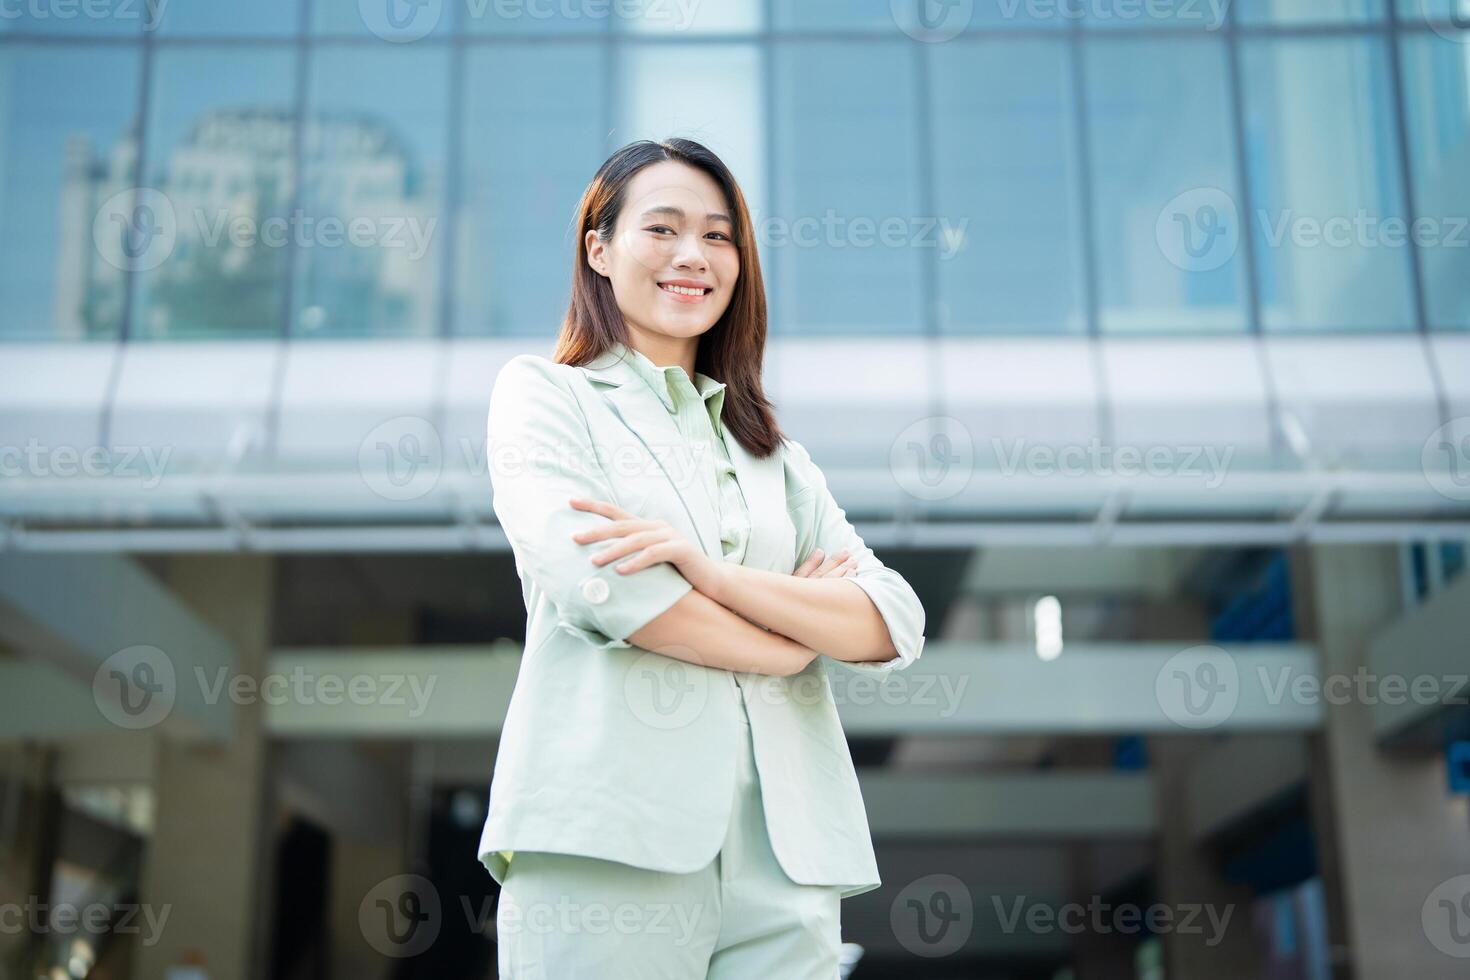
665, 351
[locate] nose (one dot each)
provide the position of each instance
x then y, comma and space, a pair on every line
689, 253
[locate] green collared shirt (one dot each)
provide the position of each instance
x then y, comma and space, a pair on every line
696, 408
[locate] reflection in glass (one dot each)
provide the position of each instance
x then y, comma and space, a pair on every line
1308, 11
539, 17
372, 191
391, 21
68, 147
1006, 183
1437, 100
531, 142
1165, 219
275, 18
846, 236
1325, 185
687, 19
220, 138
838, 15
719, 104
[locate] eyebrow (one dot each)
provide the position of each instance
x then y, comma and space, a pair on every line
679, 213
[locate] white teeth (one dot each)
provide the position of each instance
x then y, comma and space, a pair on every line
683, 290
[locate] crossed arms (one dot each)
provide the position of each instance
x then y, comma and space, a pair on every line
674, 600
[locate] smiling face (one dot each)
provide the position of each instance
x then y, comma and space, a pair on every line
672, 260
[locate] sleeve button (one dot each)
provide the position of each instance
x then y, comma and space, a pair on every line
595, 591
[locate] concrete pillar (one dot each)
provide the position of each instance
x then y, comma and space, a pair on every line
363, 950
1103, 957
208, 859
28, 808
1188, 882
1105, 954
1390, 832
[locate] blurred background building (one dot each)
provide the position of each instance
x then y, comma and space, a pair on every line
1147, 328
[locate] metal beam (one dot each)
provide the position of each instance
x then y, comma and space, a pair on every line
955, 688
144, 658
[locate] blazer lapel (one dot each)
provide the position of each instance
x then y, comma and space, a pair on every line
763, 482
645, 416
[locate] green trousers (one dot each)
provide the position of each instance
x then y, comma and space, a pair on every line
569, 917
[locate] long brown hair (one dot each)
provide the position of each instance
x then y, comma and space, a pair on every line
731, 351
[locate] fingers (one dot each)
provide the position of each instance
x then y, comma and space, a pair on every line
628, 545
810, 565
616, 529
608, 510
819, 565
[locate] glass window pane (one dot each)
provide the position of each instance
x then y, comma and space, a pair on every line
1437, 97
719, 104
395, 21
1006, 183
275, 18
530, 17
1325, 185
372, 191
1166, 225
1308, 11
220, 138
846, 235
924, 20
532, 139
67, 151
834, 15
685, 19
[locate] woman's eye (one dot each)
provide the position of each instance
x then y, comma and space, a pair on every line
660, 228
723, 236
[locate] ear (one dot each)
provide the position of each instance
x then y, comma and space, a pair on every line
596, 252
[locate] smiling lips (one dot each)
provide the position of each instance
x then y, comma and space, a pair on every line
685, 290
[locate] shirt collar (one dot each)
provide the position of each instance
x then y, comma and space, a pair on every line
666, 380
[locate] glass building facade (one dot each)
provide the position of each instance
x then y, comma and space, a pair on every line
329, 168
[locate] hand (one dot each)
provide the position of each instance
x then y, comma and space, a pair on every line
649, 542
839, 565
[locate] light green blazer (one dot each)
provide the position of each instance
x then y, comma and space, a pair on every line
613, 751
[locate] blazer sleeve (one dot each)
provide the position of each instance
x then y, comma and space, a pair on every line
821, 523
540, 452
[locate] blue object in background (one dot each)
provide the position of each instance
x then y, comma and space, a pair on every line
1261, 613
1130, 753
1457, 761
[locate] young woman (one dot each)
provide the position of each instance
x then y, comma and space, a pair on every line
673, 795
